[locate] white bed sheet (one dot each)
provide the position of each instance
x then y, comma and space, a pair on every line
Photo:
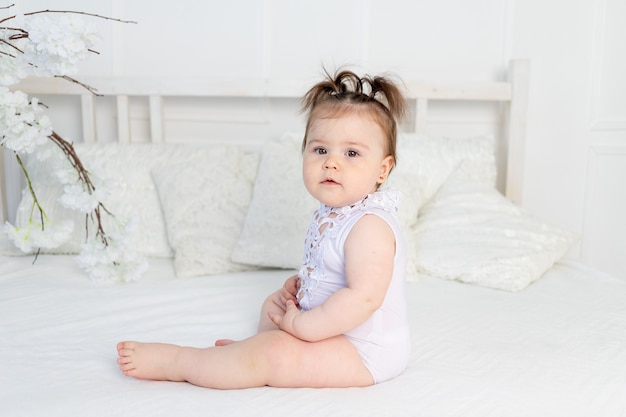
557, 348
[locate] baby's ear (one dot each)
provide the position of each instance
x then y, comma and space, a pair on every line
385, 168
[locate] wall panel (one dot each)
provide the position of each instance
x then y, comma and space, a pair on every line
604, 225
608, 95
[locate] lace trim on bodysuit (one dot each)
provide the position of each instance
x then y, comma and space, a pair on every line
325, 225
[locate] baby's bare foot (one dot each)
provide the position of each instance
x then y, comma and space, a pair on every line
148, 360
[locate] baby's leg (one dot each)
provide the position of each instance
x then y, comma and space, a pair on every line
269, 358
233, 365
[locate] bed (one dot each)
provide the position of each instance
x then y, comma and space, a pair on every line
503, 322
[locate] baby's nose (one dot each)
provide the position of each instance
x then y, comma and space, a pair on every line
330, 162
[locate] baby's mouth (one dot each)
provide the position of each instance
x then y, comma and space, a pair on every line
329, 181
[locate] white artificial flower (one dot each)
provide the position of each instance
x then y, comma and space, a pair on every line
12, 70
33, 236
22, 126
116, 261
54, 46
57, 43
76, 197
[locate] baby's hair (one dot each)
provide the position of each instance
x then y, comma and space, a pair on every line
346, 91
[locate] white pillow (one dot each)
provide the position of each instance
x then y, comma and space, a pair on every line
469, 232
204, 200
425, 163
281, 208
129, 167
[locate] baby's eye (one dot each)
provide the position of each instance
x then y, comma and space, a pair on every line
352, 154
320, 151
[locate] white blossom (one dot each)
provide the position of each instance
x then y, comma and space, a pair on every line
115, 261
33, 236
53, 44
57, 43
12, 70
22, 126
76, 197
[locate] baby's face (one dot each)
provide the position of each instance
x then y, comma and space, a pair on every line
344, 159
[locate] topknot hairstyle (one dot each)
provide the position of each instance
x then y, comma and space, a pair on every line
345, 91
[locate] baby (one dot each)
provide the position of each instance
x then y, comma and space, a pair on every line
341, 322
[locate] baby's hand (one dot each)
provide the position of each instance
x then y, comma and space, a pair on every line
290, 290
286, 321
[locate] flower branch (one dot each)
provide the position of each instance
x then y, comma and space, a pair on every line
80, 13
67, 12
87, 87
53, 48
84, 179
29, 184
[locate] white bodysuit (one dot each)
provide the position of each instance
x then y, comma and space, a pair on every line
383, 341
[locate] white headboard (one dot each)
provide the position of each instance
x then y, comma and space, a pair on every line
512, 93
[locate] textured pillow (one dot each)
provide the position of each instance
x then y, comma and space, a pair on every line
425, 163
469, 232
129, 167
204, 200
280, 210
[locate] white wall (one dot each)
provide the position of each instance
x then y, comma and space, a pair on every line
446, 39
576, 166
576, 151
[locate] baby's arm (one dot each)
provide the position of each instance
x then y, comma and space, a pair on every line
369, 250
